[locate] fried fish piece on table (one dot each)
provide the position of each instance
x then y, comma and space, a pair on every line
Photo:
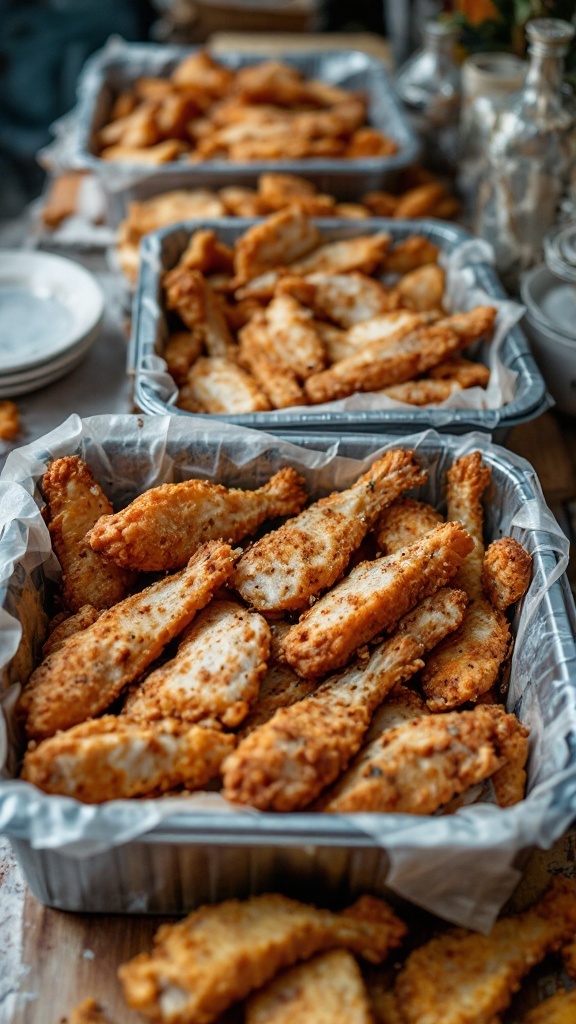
468, 663
162, 527
75, 502
462, 977
90, 670
421, 765
216, 672
288, 566
112, 758
219, 954
371, 600
284, 764
325, 990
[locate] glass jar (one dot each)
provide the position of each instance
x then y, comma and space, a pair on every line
429, 86
530, 155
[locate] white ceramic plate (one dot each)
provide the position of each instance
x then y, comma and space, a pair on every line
48, 305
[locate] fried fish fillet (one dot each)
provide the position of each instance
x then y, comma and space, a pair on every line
325, 990
404, 522
90, 670
215, 674
75, 502
346, 299
219, 954
276, 242
468, 663
71, 624
307, 554
218, 385
506, 572
419, 766
558, 1009
398, 358
111, 758
462, 977
371, 599
285, 764
164, 526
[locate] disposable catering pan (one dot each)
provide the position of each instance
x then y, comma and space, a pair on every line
167, 855
119, 64
155, 391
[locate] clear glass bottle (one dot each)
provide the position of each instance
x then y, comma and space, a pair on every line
429, 86
530, 155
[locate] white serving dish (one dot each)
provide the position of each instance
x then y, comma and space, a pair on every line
550, 324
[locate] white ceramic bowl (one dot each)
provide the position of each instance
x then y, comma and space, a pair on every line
553, 346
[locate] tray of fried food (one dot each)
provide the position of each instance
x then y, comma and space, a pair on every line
348, 659
415, 193
290, 317
243, 110
271, 959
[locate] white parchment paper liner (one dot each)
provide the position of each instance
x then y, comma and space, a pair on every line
463, 866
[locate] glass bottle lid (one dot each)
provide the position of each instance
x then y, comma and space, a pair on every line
550, 35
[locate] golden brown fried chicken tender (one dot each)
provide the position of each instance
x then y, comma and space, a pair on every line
506, 572
325, 990
278, 241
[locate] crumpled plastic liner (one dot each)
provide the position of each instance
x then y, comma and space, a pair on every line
461, 866
463, 292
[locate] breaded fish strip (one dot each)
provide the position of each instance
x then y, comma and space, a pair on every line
286, 763
363, 253
75, 502
277, 241
467, 663
307, 554
419, 766
215, 673
558, 1009
371, 599
83, 618
111, 758
219, 385
398, 358
326, 990
506, 572
462, 977
90, 670
346, 299
219, 954
296, 341
404, 522
164, 526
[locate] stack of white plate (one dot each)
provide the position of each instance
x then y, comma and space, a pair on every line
50, 314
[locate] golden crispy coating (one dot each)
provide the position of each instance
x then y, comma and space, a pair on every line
91, 669
419, 766
218, 385
423, 288
309, 553
326, 990
461, 371
162, 527
462, 977
9, 420
88, 1012
182, 350
215, 673
75, 502
412, 252
372, 598
286, 763
259, 355
506, 572
111, 758
188, 292
296, 341
71, 624
278, 241
346, 299
422, 392
280, 687
219, 954
404, 522
396, 322
363, 253
558, 1009
467, 663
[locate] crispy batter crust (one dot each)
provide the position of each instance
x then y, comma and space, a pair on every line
219, 954
163, 527
71, 624
75, 502
506, 572
326, 990
404, 522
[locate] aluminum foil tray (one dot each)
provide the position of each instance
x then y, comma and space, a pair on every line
153, 386
118, 64
166, 855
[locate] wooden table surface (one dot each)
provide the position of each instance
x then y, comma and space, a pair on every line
50, 960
